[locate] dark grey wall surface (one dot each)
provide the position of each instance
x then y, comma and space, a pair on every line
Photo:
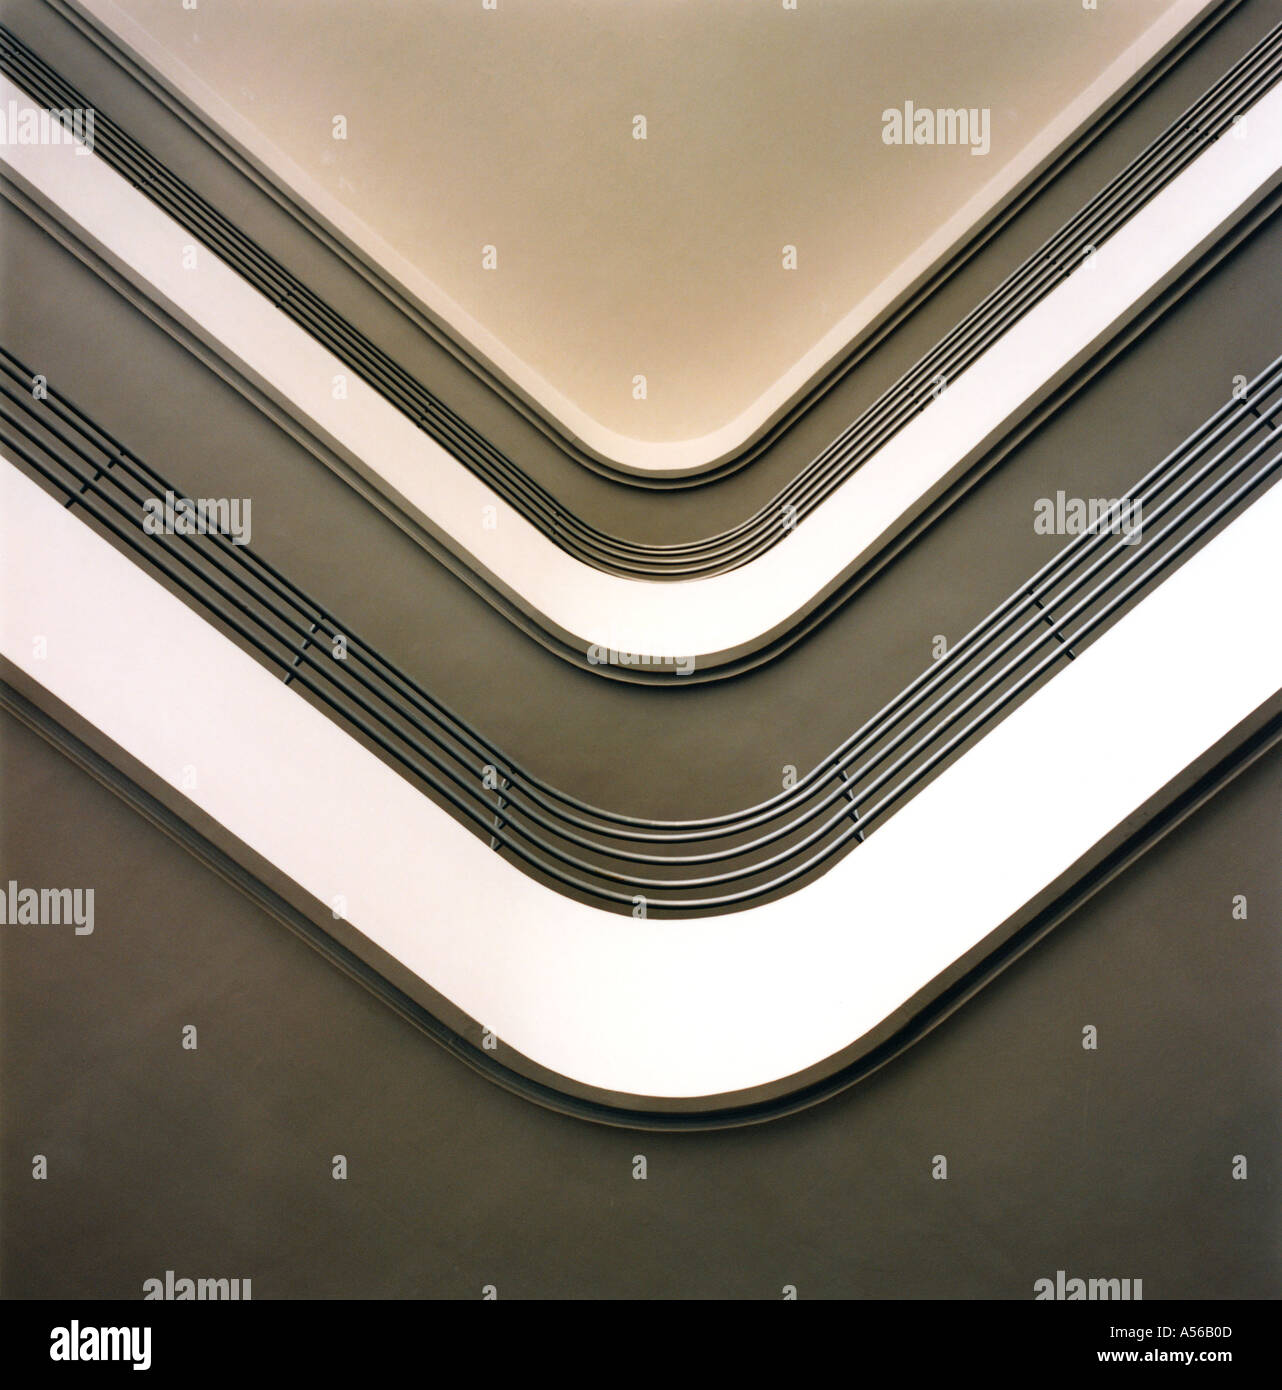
217, 1162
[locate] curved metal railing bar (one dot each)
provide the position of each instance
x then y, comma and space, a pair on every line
1222, 464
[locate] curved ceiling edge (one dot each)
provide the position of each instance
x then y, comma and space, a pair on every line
1160, 161
653, 1008
130, 47
434, 1017
701, 623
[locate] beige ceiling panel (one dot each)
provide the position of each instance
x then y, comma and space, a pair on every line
617, 258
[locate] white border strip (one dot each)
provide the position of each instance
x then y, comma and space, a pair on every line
707, 621
648, 1007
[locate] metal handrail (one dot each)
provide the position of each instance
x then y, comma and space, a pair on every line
440, 750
